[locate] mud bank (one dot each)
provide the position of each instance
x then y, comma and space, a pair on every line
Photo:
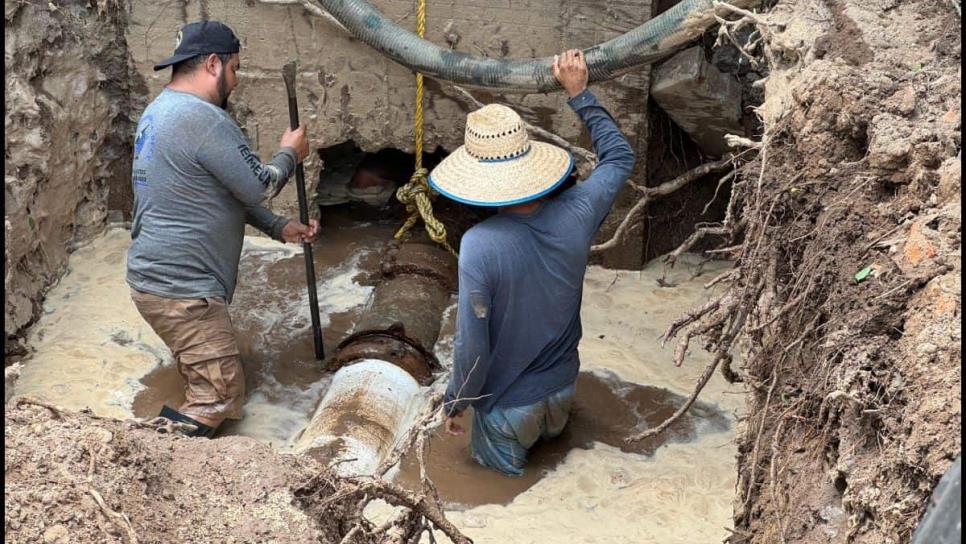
846, 300
71, 478
676, 492
67, 124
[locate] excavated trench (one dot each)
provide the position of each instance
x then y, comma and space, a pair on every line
89, 349
86, 347
285, 384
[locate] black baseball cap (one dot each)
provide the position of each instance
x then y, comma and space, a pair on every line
201, 38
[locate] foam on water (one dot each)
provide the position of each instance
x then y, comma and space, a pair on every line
277, 423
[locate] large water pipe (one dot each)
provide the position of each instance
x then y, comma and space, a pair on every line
380, 367
649, 42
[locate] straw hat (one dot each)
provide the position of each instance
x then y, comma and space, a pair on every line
499, 165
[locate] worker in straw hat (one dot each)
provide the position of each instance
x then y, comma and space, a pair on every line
521, 271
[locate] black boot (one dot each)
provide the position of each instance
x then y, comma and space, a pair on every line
200, 430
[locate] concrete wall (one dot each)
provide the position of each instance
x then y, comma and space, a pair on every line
66, 125
349, 91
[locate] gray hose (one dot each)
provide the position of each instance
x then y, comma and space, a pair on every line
652, 41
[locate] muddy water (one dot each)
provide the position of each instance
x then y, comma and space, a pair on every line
270, 315
92, 349
606, 410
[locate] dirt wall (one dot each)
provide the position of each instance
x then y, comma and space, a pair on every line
67, 121
848, 283
349, 91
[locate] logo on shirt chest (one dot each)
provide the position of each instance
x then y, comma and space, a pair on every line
144, 141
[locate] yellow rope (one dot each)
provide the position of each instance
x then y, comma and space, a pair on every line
416, 194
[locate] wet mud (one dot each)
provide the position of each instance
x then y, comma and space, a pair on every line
284, 381
606, 410
94, 351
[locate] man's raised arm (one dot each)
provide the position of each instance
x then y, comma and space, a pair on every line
615, 158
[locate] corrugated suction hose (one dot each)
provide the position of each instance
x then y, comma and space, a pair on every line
649, 42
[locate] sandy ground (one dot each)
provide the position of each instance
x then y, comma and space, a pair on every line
91, 349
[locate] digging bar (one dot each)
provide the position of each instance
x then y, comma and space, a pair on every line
288, 74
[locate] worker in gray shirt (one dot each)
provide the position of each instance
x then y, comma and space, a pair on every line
521, 271
197, 183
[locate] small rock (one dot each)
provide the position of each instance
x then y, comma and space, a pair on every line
903, 101
918, 247
103, 435
950, 180
907, 101
57, 534
927, 348
952, 117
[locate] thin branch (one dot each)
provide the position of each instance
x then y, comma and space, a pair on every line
691, 317
311, 8
669, 187
428, 420
652, 193
702, 381
621, 232
695, 237
724, 179
724, 276
418, 502
118, 518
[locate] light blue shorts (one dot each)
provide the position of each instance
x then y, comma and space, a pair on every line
501, 438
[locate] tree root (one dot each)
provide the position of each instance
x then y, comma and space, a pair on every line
653, 193
695, 237
119, 519
56, 411
702, 381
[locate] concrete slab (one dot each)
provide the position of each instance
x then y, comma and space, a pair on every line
703, 101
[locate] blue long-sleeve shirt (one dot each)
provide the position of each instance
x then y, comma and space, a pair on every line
521, 282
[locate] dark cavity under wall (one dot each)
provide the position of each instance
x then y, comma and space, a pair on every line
345, 164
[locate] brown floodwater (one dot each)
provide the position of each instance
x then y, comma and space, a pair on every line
285, 383
605, 410
270, 314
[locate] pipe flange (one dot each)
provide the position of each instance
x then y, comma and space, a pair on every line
390, 345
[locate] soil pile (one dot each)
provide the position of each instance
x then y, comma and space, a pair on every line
74, 477
844, 308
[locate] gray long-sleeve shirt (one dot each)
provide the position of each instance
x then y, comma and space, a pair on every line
196, 184
521, 281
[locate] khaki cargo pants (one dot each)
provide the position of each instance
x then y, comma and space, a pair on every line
200, 335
